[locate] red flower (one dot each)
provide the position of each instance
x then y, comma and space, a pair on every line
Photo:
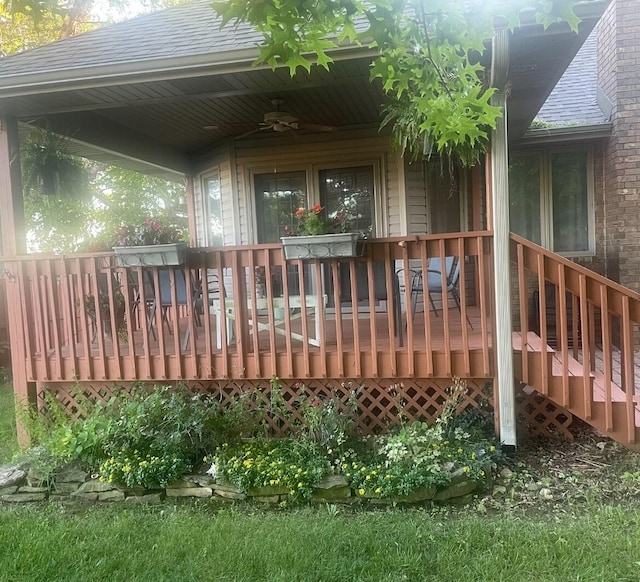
317, 208
300, 211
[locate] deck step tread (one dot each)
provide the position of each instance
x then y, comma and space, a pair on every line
533, 342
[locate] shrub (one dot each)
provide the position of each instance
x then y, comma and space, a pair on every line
155, 437
422, 455
287, 463
143, 438
326, 422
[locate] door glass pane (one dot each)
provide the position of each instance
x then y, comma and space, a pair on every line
349, 192
570, 201
278, 196
524, 196
214, 207
443, 197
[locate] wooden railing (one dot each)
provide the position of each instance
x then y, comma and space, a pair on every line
584, 330
246, 312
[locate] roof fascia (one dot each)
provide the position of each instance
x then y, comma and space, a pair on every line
145, 71
566, 134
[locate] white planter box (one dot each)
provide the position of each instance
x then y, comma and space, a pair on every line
323, 246
152, 255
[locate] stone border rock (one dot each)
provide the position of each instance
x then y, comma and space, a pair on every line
18, 485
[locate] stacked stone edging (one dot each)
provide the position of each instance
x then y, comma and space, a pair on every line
20, 485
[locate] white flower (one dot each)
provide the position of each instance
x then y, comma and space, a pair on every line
213, 470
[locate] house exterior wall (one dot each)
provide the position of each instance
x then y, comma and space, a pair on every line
619, 71
416, 192
246, 159
220, 166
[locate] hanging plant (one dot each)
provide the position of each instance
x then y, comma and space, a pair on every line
49, 169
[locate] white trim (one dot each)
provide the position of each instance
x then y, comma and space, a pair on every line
214, 173
501, 248
380, 198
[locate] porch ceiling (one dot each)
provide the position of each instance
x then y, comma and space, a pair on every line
163, 123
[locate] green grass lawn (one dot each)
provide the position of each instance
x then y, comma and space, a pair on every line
199, 543
8, 443
588, 531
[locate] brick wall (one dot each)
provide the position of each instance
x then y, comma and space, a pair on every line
619, 79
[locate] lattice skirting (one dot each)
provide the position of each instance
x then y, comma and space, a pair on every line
537, 415
380, 400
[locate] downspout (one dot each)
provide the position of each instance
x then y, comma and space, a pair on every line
501, 255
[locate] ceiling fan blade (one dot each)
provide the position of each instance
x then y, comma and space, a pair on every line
316, 127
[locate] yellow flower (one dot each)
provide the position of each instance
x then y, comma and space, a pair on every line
361, 491
378, 491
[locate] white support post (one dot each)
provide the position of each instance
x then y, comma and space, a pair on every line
501, 255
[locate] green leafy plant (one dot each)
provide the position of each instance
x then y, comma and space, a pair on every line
146, 437
156, 436
49, 169
428, 58
312, 221
133, 468
422, 455
287, 463
150, 232
326, 422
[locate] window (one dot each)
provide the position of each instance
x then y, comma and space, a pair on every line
551, 199
213, 201
349, 191
278, 196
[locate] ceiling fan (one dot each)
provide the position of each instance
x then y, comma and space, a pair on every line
279, 121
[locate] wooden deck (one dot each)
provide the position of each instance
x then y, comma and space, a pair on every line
309, 335
584, 360
446, 353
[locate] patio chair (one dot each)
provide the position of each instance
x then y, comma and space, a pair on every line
104, 303
435, 286
166, 299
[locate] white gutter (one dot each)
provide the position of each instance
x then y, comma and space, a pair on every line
87, 77
568, 133
503, 346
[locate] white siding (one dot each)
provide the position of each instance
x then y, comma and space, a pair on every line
416, 192
297, 152
219, 165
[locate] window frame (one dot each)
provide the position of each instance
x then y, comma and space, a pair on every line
544, 157
206, 204
312, 171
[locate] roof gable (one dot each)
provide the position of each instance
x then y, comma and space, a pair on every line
574, 100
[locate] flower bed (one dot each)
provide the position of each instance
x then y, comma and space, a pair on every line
166, 443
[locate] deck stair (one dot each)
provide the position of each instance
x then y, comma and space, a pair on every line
585, 395
594, 324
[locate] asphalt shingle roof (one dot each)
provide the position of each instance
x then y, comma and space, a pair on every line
573, 101
182, 31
